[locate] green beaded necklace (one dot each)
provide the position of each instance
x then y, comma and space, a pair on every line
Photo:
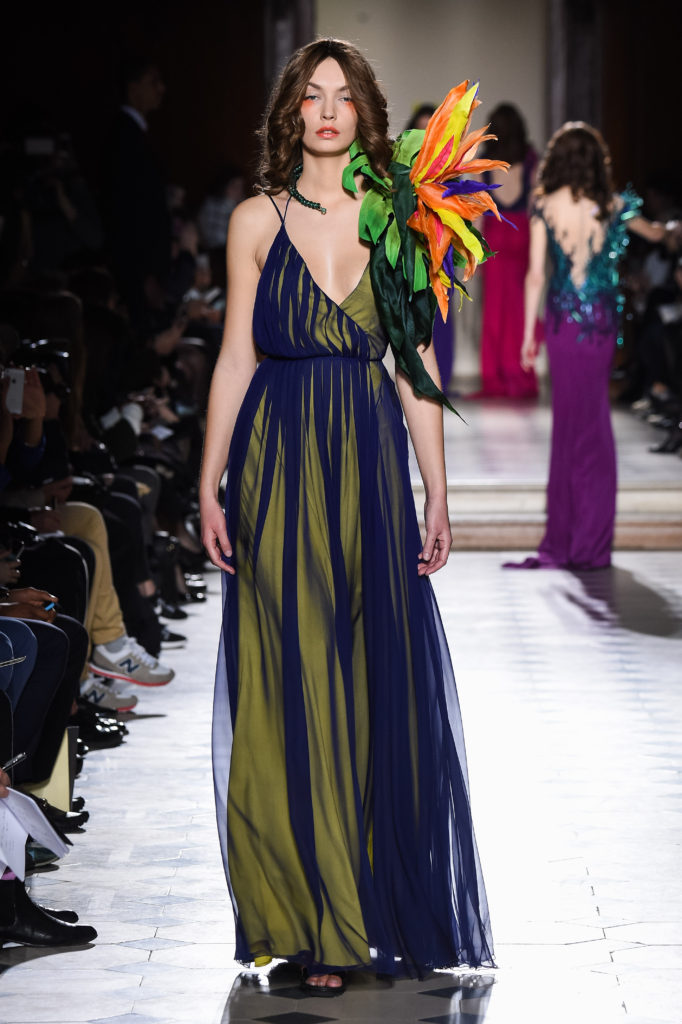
295, 194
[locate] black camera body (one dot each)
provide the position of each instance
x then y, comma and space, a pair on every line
47, 354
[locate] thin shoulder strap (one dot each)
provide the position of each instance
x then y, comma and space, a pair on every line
279, 214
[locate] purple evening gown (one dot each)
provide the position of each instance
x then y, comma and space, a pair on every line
581, 332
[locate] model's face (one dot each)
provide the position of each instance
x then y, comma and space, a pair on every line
328, 112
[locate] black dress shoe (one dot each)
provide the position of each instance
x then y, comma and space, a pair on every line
65, 821
169, 639
39, 858
23, 921
98, 733
66, 916
166, 610
89, 715
669, 445
100, 737
78, 803
195, 589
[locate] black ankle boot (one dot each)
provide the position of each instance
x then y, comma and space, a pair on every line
165, 557
24, 922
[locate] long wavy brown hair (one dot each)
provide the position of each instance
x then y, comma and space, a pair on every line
511, 143
578, 157
283, 126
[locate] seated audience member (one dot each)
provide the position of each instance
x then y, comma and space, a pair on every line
65, 222
115, 653
214, 213
22, 920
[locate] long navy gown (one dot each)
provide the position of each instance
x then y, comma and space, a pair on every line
339, 762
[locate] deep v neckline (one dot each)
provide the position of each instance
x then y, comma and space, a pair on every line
339, 305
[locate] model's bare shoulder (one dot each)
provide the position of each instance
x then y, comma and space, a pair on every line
253, 225
251, 214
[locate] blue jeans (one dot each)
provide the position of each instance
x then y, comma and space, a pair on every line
16, 641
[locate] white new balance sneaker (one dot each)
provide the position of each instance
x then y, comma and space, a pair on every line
131, 663
106, 697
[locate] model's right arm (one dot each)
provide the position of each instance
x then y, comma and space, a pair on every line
234, 369
534, 283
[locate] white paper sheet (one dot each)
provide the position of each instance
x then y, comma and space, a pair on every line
12, 840
20, 817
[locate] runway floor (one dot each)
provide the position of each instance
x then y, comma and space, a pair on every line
571, 694
572, 702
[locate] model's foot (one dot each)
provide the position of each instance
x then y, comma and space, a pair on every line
325, 980
323, 984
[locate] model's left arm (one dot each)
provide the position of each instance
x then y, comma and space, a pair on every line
425, 422
654, 231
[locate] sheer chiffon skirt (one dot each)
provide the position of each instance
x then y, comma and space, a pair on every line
339, 762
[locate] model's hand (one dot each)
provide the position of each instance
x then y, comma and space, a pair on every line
4, 784
436, 548
529, 353
214, 534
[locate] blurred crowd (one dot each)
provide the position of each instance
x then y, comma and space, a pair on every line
111, 305
650, 368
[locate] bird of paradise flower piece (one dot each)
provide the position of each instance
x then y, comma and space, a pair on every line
447, 201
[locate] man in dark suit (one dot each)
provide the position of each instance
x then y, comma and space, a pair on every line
139, 225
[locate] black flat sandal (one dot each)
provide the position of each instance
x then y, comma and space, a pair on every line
324, 991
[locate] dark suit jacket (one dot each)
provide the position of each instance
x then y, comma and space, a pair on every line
138, 221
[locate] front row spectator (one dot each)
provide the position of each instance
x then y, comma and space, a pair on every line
22, 920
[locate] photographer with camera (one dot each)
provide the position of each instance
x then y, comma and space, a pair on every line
115, 653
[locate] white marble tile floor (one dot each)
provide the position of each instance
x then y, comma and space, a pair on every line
571, 693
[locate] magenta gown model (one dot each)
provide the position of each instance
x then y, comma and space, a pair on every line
581, 331
503, 283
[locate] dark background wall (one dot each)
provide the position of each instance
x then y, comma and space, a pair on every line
60, 64
615, 64
612, 62
640, 87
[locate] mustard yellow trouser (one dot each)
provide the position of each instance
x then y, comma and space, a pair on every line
103, 619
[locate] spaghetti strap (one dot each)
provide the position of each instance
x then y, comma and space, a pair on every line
279, 214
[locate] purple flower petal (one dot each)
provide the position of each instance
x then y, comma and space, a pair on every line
466, 187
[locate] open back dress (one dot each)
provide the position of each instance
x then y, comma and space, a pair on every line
339, 762
582, 323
